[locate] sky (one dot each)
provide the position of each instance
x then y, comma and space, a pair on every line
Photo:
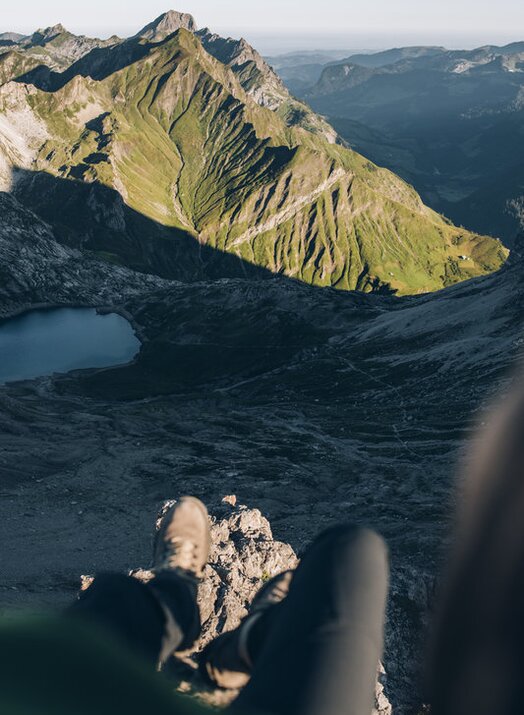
291, 24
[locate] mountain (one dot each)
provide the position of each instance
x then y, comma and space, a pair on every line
166, 24
446, 121
389, 57
301, 70
305, 57
163, 158
10, 38
262, 84
56, 47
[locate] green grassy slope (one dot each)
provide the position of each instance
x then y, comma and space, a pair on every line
176, 134
13, 64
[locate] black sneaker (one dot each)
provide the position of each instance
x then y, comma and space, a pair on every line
226, 662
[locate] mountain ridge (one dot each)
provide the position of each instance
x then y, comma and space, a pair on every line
62, 49
176, 133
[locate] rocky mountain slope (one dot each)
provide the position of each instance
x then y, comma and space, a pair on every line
57, 48
447, 121
260, 82
33, 260
312, 405
161, 157
166, 24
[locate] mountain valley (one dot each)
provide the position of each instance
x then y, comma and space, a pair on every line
314, 338
310, 404
447, 121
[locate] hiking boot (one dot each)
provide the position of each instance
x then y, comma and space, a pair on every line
183, 540
226, 662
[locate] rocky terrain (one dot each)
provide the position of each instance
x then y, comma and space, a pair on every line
57, 49
312, 405
53, 46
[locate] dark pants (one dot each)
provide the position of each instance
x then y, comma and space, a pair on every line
320, 649
153, 620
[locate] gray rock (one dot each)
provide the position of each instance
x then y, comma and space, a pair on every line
243, 556
166, 24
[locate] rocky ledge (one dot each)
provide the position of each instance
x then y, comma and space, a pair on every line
243, 556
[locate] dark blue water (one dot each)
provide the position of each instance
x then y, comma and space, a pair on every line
43, 342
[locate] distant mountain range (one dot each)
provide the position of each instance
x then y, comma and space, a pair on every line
301, 70
449, 122
181, 153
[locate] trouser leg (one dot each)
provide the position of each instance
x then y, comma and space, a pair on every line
153, 620
321, 652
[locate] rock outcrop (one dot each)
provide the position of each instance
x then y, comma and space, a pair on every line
166, 24
244, 554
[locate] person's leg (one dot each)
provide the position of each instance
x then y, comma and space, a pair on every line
323, 643
227, 662
153, 620
162, 616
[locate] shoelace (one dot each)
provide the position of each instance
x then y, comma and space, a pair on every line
187, 551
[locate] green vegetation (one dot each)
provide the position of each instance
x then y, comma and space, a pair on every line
176, 134
13, 64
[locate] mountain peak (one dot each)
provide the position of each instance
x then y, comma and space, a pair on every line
166, 24
49, 32
11, 37
46, 34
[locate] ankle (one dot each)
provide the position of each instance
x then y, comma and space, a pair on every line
178, 598
253, 636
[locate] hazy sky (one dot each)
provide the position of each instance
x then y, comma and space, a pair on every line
380, 22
